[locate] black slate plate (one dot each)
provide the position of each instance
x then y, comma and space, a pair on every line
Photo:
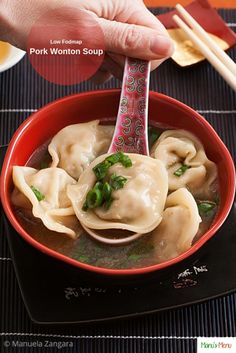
56, 293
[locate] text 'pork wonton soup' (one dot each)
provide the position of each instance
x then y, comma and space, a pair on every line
77, 199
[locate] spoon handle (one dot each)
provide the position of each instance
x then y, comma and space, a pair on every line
132, 120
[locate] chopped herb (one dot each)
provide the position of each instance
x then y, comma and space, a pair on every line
114, 158
181, 170
126, 161
85, 206
117, 181
83, 258
205, 207
153, 135
101, 169
134, 257
98, 185
101, 193
108, 203
106, 191
94, 198
37, 193
119, 157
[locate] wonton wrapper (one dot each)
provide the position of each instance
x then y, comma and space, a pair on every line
177, 147
179, 225
137, 207
76, 146
55, 211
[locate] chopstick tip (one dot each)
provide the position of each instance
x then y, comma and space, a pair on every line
175, 17
178, 6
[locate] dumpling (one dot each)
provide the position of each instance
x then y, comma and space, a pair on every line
137, 207
180, 149
179, 225
76, 146
46, 191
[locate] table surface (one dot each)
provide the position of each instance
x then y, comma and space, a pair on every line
216, 3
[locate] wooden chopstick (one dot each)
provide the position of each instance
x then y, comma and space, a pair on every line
207, 39
217, 62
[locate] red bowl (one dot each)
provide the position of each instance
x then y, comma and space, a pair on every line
45, 123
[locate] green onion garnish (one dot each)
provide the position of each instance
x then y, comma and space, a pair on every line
108, 203
117, 181
101, 193
125, 161
94, 198
153, 135
85, 207
114, 158
205, 207
106, 191
101, 169
134, 257
181, 170
98, 185
37, 193
83, 258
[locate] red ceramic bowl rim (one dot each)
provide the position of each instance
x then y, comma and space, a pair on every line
107, 271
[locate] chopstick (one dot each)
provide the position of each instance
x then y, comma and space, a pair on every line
207, 39
213, 53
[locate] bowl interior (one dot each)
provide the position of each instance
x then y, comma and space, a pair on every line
44, 124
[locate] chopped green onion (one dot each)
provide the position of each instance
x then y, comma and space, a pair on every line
126, 161
83, 258
101, 193
153, 135
37, 193
205, 207
108, 203
106, 191
117, 181
181, 170
94, 198
114, 158
100, 170
134, 257
119, 157
85, 207
98, 185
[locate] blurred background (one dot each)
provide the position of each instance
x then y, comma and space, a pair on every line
216, 3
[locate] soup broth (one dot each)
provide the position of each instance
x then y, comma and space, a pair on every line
143, 252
